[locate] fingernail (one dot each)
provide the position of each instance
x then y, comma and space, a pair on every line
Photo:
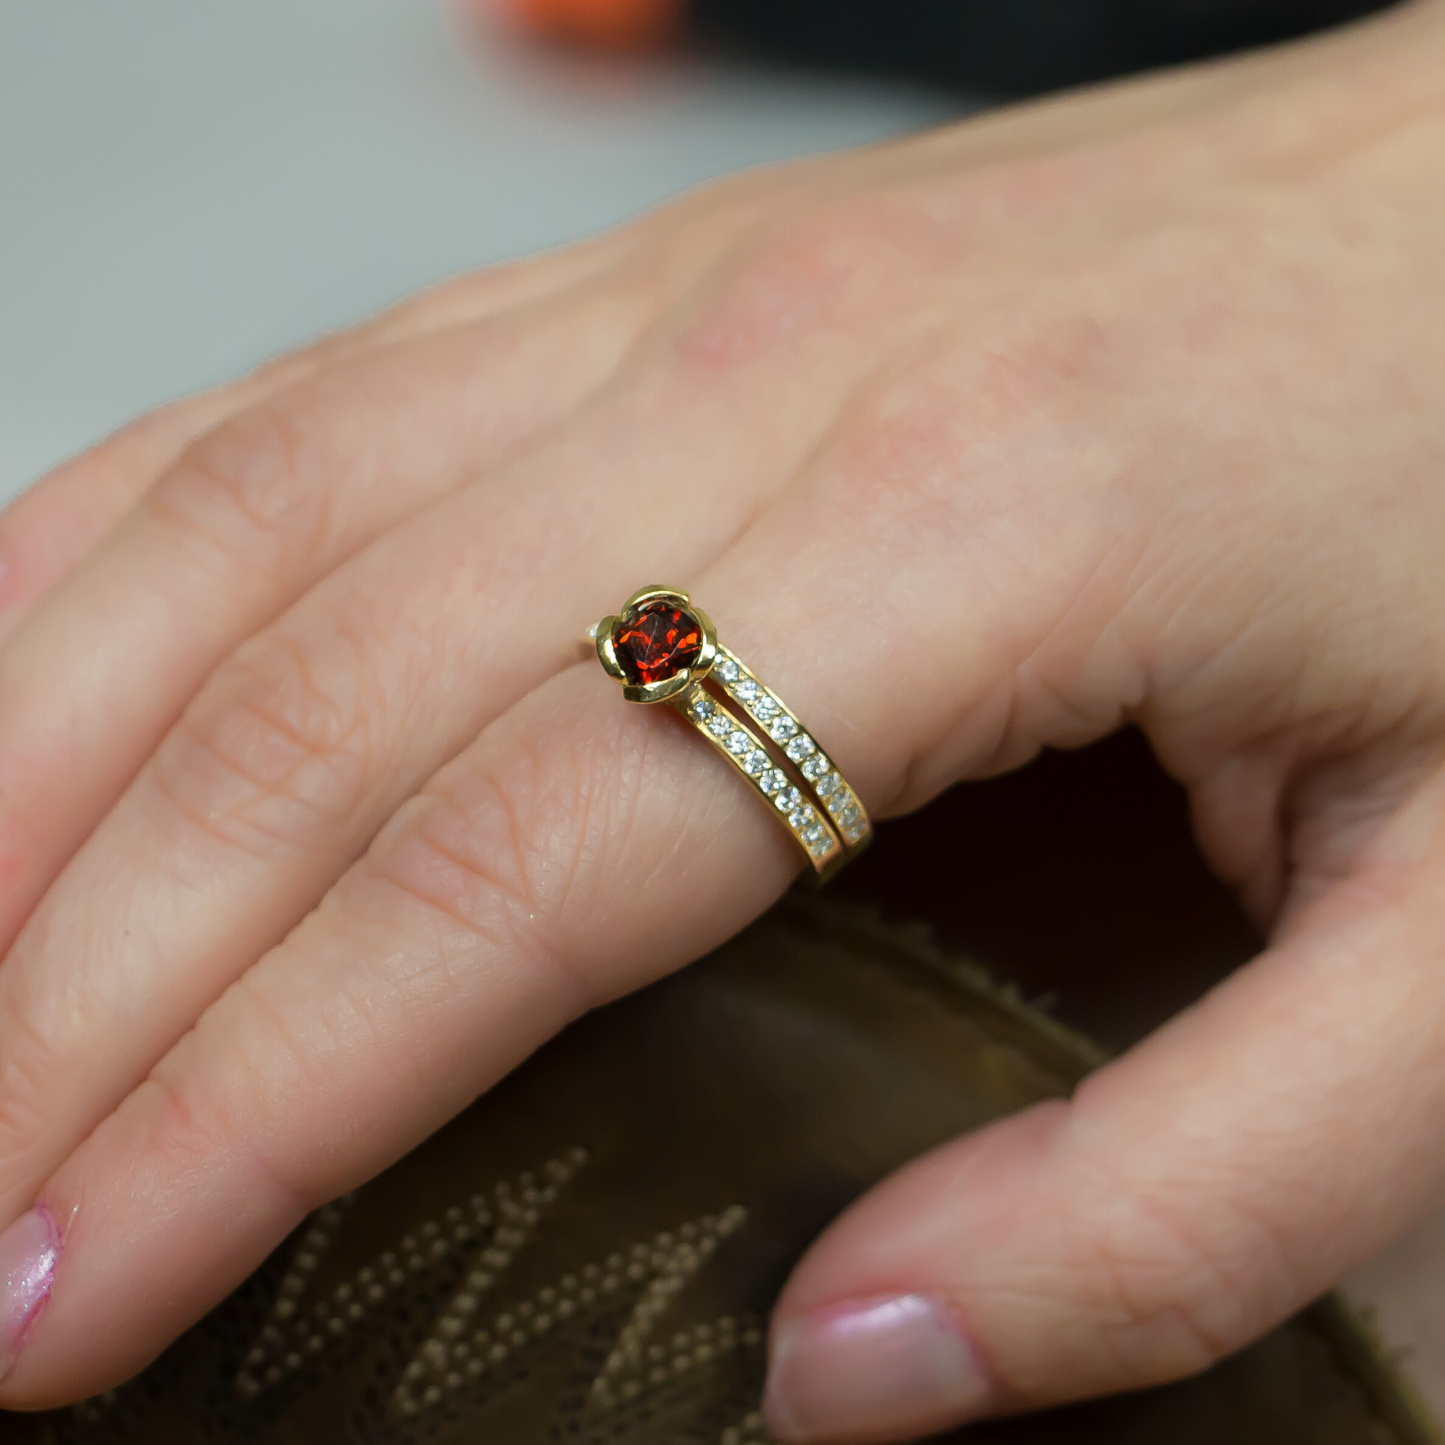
873, 1369
28, 1252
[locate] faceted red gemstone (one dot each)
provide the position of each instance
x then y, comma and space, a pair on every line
656, 642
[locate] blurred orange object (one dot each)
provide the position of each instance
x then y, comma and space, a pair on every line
606, 24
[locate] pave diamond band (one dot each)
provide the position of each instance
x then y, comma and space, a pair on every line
844, 810
663, 649
746, 750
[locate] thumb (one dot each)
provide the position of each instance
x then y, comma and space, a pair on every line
1191, 1195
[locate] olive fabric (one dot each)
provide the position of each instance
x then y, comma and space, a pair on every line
590, 1252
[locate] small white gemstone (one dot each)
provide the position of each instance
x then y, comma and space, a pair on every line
828, 785
728, 670
592, 632
799, 747
799, 818
764, 708
855, 831
720, 725
816, 766
746, 689
755, 762
738, 742
789, 799
816, 836
849, 815
772, 780
782, 728
703, 707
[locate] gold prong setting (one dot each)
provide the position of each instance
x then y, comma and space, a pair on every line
672, 652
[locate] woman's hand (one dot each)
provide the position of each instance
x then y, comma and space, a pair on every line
1127, 405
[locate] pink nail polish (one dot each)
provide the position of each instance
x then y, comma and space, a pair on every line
873, 1369
28, 1252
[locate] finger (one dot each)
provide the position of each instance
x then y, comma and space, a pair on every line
251, 516
483, 918
55, 523
1190, 1196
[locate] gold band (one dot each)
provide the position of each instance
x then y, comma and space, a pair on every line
663, 649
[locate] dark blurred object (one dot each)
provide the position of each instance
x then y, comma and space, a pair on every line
1075, 879
998, 47
1013, 47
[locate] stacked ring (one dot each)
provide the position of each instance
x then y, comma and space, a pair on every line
662, 649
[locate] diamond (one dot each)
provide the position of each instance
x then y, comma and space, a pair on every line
800, 747
656, 642
728, 670
855, 831
772, 780
816, 837
789, 799
799, 818
703, 707
782, 728
720, 725
849, 816
755, 762
738, 742
746, 689
816, 766
828, 785
764, 708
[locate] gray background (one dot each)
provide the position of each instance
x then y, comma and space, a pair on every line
188, 187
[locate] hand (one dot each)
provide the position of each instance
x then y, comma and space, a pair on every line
1125, 405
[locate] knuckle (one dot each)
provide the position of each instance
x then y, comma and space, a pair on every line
29, 1067
798, 279
252, 486
1179, 1278
1153, 1290
279, 747
472, 855
189, 1127
508, 852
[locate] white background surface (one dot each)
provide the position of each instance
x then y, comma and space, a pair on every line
190, 186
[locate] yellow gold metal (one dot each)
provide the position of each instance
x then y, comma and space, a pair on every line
605, 652
753, 728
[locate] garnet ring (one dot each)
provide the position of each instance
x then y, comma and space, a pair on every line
663, 649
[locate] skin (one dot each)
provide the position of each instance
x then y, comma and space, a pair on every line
1126, 406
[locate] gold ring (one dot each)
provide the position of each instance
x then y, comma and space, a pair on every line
663, 649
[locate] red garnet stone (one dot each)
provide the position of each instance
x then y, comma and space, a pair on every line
657, 642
